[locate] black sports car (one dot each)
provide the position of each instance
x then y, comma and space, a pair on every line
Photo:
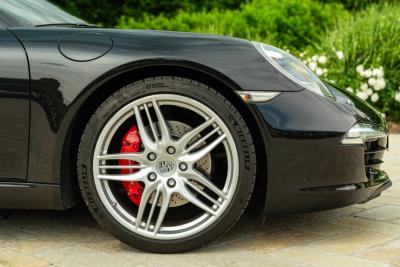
168, 136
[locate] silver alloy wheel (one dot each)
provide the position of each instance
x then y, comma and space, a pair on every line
173, 165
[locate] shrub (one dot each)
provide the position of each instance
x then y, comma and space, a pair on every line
370, 66
289, 23
107, 12
357, 4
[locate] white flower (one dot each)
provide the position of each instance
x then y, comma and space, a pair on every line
301, 54
362, 95
378, 72
367, 73
375, 97
364, 87
380, 84
319, 71
360, 69
397, 97
371, 81
313, 65
315, 57
340, 55
322, 59
349, 89
325, 71
369, 91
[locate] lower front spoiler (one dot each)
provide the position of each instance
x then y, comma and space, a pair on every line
378, 191
361, 192
335, 196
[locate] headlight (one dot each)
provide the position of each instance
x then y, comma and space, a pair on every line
362, 132
293, 68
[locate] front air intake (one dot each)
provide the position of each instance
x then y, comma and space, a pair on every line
373, 156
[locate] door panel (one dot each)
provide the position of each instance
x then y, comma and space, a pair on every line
14, 109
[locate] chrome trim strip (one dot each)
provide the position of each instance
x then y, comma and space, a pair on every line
5, 184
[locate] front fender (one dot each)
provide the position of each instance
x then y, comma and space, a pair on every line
60, 81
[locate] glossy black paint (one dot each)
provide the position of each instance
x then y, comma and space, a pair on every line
304, 151
301, 131
30, 196
85, 46
59, 85
14, 109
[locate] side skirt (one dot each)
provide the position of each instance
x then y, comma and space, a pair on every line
30, 196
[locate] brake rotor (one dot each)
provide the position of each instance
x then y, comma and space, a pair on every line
131, 143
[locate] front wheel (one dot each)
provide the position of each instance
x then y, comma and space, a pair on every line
166, 164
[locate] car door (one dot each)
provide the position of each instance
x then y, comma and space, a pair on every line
14, 108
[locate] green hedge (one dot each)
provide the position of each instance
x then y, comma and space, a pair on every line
107, 12
358, 4
286, 23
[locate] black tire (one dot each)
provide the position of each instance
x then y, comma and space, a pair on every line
197, 91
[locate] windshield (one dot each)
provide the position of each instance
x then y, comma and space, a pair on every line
25, 13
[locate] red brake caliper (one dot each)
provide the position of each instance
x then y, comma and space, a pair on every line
130, 144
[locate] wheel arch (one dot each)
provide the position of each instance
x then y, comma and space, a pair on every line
92, 97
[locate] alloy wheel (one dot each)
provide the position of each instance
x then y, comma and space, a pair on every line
168, 166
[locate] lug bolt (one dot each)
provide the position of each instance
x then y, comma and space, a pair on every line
183, 166
152, 176
152, 156
171, 182
171, 150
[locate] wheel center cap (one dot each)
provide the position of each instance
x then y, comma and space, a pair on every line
166, 166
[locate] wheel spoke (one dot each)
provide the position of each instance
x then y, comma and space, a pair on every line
165, 137
200, 178
201, 140
121, 167
166, 198
144, 136
153, 129
183, 142
148, 190
153, 206
138, 157
192, 198
133, 177
196, 156
201, 192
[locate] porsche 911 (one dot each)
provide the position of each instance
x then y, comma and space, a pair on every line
168, 136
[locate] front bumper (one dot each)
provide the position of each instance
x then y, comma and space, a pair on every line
308, 167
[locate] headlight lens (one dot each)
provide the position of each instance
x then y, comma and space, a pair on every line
293, 68
362, 132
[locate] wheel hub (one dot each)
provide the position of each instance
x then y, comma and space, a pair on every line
165, 165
